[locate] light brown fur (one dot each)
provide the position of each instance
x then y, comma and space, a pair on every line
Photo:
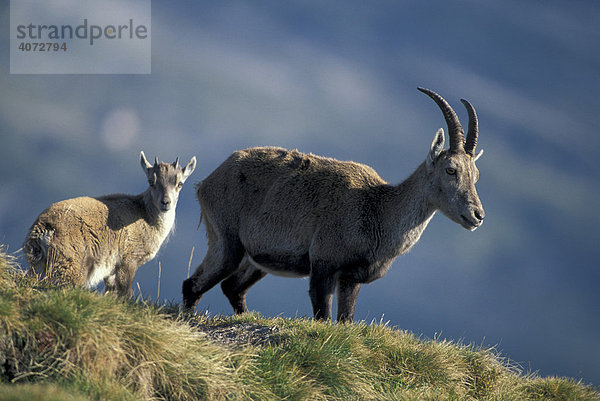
84, 240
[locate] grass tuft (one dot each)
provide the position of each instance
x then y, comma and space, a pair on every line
71, 344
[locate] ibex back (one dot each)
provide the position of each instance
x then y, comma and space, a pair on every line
270, 210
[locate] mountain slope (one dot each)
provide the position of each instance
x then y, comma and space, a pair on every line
75, 344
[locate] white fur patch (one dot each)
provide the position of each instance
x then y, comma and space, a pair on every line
99, 272
167, 226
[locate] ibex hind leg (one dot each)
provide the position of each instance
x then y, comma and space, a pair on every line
36, 249
221, 260
50, 264
236, 286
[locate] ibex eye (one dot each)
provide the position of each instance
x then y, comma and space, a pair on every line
180, 185
451, 170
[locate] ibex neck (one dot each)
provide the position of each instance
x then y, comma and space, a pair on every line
163, 221
409, 209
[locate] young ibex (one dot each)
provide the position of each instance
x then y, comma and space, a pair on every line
83, 240
270, 210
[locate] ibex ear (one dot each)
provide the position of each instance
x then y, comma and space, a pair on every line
189, 168
437, 145
144, 162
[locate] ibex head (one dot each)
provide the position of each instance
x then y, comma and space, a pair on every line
166, 180
453, 171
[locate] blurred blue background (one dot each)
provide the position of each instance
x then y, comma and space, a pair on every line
339, 79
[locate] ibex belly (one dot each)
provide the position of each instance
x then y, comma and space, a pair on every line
363, 271
282, 265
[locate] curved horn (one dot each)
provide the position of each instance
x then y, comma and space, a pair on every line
455, 130
471, 142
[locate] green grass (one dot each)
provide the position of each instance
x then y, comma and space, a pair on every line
71, 344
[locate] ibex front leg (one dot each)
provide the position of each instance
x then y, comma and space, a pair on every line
109, 283
125, 272
322, 287
347, 294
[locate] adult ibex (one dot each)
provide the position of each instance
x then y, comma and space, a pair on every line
83, 240
270, 210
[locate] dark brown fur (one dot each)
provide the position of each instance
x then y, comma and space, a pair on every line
271, 210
